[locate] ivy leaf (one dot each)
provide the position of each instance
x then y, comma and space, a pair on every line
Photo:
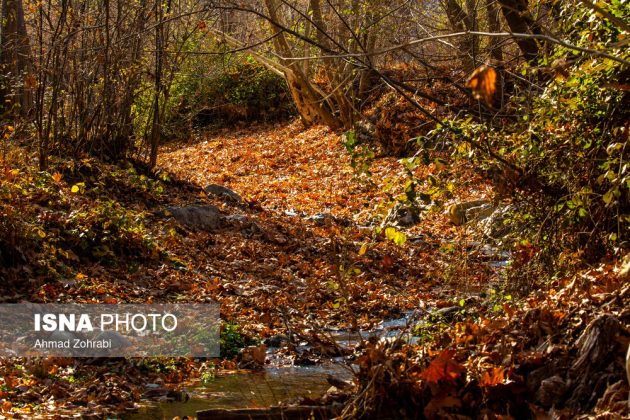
608, 197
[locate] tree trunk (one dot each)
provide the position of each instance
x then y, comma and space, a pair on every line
154, 139
15, 65
494, 26
310, 104
517, 17
460, 22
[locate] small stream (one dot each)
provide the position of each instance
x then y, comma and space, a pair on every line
272, 386
242, 390
280, 383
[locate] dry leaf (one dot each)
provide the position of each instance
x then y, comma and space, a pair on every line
443, 367
483, 83
494, 376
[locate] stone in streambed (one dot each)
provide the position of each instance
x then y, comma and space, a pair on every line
222, 191
206, 217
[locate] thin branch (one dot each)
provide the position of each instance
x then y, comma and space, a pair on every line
468, 33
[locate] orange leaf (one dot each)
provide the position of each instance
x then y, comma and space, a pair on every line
6, 406
57, 177
443, 368
30, 81
483, 83
494, 376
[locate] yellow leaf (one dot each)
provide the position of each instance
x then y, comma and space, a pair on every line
74, 189
363, 249
40, 233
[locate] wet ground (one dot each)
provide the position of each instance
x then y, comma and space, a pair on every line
253, 389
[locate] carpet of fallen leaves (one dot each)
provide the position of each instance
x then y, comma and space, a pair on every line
306, 256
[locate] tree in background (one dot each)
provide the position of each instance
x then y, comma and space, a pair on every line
15, 60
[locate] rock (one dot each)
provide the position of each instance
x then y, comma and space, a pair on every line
207, 217
494, 226
223, 192
248, 227
238, 218
252, 357
321, 218
479, 212
462, 213
403, 214
448, 313
278, 340
551, 391
117, 340
164, 394
338, 383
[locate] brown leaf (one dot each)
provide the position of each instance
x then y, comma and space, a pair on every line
30, 81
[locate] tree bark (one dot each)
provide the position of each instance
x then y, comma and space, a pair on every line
460, 22
309, 103
494, 25
15, 56
517, 17
154, 139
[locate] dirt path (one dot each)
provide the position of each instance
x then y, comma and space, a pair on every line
281, 167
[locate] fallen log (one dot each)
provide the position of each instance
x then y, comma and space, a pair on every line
272, 413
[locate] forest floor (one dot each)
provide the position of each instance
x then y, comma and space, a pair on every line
304, 253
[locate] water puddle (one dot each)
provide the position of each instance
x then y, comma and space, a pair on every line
242, 390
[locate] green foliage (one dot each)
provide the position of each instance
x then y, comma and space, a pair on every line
214, 89
395, 236
569, 141
233, 340
107, 229
249, 84
53, 221
361, 156
497, 298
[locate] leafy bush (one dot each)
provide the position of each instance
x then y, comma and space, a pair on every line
216, 90
560, 157
233, 340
